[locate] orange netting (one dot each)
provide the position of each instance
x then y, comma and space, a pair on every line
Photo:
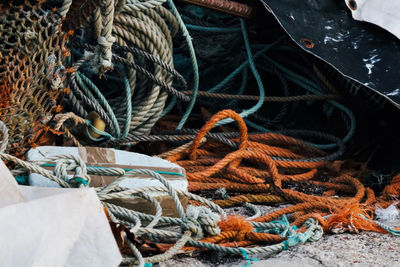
32, 72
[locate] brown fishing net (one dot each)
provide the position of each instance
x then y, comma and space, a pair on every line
32, 71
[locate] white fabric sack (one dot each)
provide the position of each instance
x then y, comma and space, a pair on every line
384, 13
52, 227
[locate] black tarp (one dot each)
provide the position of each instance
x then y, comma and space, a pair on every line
359, 50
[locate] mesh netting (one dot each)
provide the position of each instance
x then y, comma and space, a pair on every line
32, 51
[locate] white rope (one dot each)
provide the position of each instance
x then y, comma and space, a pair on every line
63, 10
140, 6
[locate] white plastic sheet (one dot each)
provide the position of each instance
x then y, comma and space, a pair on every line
384, 13
42, 227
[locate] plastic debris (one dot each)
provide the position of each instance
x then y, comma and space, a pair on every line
389, 214
383, 14
53, 227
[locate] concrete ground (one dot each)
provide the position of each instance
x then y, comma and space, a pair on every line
363, 249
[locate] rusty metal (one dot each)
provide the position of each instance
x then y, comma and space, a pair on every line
225, 6
353, 4
307, 43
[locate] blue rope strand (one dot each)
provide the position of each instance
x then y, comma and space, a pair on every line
193, 58
246, 257
212, 29
256, 75
103, 101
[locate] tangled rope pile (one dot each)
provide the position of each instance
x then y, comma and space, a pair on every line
122, 70
206, 225
110, 66
196, 223
145, 71
243, 170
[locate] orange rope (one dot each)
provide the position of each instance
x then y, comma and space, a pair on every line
249, 199
392, 191
252, 169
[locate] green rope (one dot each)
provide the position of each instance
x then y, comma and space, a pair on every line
169, 107
80, 180
313, 88
97, 131
244, 65
103, 101
22, 179
128, 104
212, 29
243, 85
127, 170
246, 257
256, 75
192, 52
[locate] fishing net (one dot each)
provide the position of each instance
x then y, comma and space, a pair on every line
102, 73
32, 71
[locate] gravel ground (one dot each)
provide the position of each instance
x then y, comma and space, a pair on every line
363, 249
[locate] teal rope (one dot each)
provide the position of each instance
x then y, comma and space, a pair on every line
22, 179
243, 85
212, 29
94, 129
193, 58
169, 107
246, 257
100, 167
385, 227
80, 180
233, 74
256, 75
103, 101
256, 126
312, 87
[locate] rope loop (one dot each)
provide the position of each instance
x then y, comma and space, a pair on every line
103, 54
65, 163
228, 113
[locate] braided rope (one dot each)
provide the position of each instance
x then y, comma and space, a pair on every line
63, 10
149, 33
140, 6
267, 99
4, 141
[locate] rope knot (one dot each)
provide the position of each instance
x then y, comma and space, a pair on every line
201, 220
68, 163
55, 71
103, 54
30, 36
313, 233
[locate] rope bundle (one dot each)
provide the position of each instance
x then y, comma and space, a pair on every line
207, 226
195, 223
123, 71
127, 74
142, 61
214, 166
